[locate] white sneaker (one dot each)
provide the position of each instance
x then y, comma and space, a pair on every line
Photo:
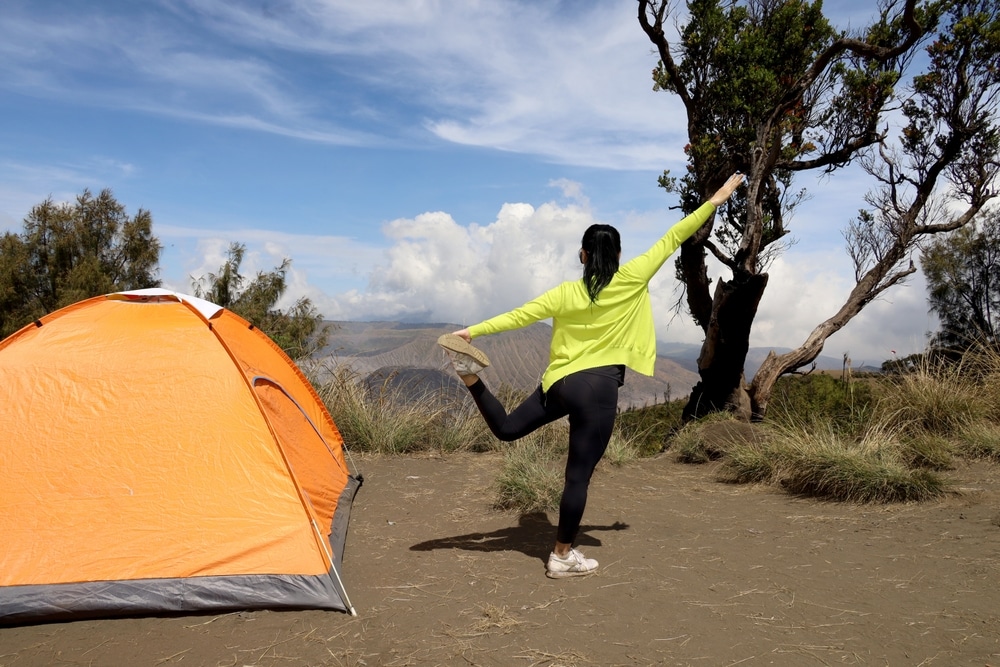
466, 359
573, 565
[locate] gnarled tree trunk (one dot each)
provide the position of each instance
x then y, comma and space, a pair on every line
724, 351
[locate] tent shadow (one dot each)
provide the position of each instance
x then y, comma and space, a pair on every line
533, 535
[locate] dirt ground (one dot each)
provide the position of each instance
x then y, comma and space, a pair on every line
693, 572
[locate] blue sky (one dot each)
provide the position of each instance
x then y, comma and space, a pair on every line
416, 159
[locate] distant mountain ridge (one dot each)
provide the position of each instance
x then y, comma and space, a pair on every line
406, 354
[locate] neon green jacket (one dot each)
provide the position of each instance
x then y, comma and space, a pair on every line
617, 329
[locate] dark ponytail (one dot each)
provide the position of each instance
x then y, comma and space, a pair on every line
603, 246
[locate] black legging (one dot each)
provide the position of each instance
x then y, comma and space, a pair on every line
591, 402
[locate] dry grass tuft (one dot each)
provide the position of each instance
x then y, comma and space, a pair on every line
496, 619
623, 449
377, 420
980, 440
940, 400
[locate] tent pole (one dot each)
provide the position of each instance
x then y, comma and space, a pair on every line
333, 567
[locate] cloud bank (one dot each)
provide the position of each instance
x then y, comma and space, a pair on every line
437, 270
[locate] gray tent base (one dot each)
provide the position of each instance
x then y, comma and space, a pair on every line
106, 599
96, 599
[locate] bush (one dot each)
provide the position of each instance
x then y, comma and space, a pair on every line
846, 403
650, 428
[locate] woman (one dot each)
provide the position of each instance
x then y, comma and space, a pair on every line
600, 324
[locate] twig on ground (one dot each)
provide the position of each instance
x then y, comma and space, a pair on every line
171, 657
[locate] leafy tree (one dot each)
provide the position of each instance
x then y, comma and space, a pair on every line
963, 279
771, 88
71, 251
296, 330
907, 364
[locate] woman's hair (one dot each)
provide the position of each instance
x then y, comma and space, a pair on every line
603, 245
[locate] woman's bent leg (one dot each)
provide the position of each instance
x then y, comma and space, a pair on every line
533, 413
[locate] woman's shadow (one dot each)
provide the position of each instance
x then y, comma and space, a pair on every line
533, 535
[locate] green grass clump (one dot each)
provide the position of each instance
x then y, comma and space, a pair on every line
822, 463
980, 441
927, 450
840, 473
941, 401
710, 438
704, 440
531, 476
624, 449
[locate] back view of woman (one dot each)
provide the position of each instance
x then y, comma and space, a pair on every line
600, 324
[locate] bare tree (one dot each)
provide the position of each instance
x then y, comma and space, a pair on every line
772, 89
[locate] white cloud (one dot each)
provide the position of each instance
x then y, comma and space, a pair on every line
894, 325
806, 289
571, 190
438, 270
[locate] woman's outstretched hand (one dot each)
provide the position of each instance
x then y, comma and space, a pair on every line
464, 333
727, 189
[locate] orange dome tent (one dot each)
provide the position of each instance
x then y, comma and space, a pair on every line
160, 454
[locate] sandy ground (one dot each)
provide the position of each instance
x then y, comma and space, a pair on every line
693, 572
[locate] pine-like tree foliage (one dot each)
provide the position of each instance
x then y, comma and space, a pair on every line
68, 252
297, 329
963, 281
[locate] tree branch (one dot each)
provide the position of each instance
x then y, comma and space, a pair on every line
859, 47
839, 156
655, 33
719, 255
955, 223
